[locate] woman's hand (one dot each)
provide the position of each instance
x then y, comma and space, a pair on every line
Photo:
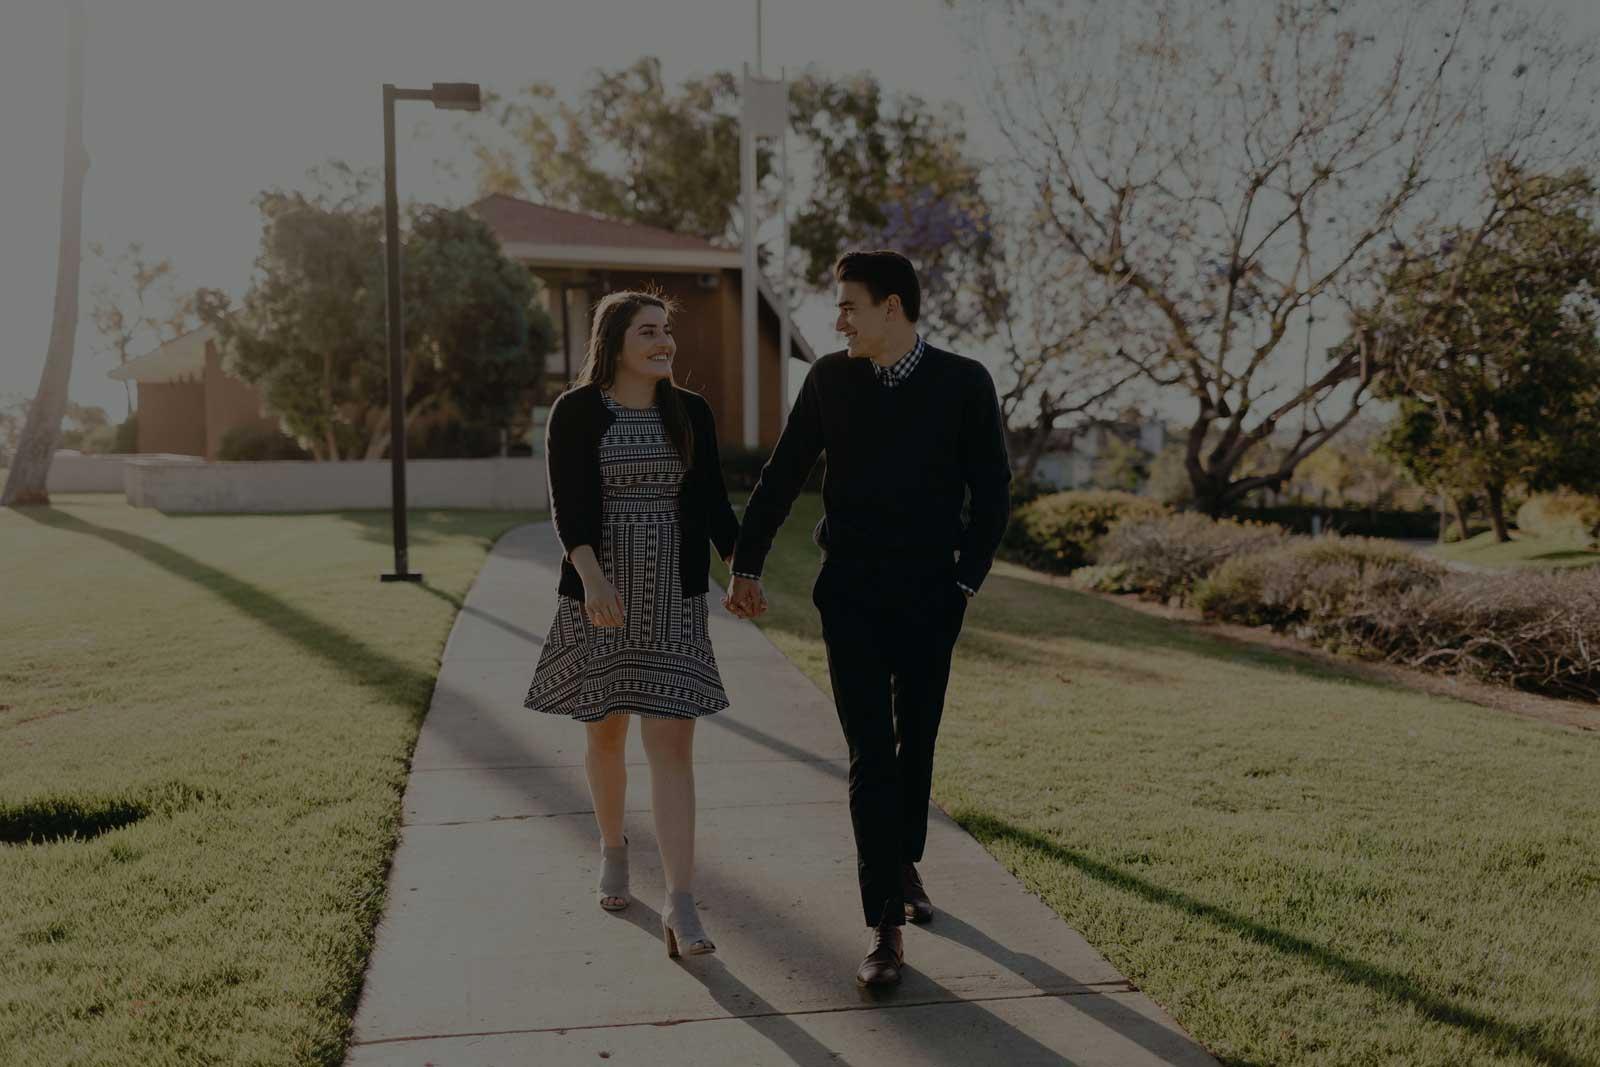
601, 602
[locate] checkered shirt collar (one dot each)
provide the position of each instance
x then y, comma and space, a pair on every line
901, 370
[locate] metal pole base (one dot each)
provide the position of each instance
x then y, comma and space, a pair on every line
405, 576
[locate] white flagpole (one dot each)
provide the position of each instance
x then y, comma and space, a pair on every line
783, 257
749, 281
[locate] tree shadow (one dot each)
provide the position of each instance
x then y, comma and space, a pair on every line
739, 1000
424, 526
1097, 620
995, 1041
367, 665
936, 1046
1569, 553
1508, 1037
1096, 1003
373, 667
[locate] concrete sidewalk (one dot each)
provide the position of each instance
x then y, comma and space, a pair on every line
492, 949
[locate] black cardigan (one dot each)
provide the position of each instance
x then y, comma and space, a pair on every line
578, 419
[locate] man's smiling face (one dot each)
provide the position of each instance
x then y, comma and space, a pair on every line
864, 324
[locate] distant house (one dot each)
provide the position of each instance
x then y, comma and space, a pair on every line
1069, 459
579, 258
186, 401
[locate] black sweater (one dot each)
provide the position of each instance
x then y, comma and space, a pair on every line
900, 464
578, 419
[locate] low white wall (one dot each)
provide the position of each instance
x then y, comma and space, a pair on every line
494, 483
75, 472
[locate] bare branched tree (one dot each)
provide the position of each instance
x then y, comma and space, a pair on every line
1222, 174
136, 304
1054, 375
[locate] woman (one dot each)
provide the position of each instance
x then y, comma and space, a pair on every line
636, 493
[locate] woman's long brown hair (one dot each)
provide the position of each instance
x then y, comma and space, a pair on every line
612, 317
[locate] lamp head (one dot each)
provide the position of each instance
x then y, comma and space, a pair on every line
457, 96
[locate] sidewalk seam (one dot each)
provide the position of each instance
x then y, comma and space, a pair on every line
1090, 990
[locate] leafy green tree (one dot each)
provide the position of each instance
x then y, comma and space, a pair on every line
311, 329
871, 169
91, 429
1169, 477
1122, 465
1497, 369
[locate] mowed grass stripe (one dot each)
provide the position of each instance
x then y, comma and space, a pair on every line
1302, 865
235, 698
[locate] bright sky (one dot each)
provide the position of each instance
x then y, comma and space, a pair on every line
194, 106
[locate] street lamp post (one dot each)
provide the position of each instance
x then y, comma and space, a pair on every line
447, 96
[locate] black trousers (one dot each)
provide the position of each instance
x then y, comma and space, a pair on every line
890, 628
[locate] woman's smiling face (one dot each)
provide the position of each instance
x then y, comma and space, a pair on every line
648, 348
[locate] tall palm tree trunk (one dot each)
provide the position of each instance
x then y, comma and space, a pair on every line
30, 466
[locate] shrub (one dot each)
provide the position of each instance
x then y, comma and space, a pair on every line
1355, 522
127, 435
1062, 531
1563, 515
258, 443
1165, 557
1306, 582
1533, 630
1102, 578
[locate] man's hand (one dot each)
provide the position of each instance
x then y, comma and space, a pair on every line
745, 598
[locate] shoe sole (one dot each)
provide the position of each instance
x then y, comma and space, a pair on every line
864, 984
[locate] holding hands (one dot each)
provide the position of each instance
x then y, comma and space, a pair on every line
745, 598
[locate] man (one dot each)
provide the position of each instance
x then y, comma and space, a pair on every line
909, 431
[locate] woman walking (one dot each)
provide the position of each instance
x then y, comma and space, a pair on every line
637, 496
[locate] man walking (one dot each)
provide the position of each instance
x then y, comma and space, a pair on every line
909, 431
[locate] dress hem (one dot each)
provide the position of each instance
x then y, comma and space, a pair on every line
697, 714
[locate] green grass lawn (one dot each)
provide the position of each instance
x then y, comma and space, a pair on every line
1302, 866
1521, 551
222, 708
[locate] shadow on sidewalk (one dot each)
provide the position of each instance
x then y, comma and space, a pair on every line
537, 640
959, 1046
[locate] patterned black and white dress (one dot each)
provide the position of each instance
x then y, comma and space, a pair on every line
659, 663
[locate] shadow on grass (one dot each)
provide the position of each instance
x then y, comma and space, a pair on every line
1569, 553
429, 526
49, 819
1509, 1037
1012, 616
367, 665
1096, 1003
1038, 611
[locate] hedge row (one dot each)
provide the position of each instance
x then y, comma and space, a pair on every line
1356, 522
1534, 630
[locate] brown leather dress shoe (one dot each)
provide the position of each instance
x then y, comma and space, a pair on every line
882, 965
919, 909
